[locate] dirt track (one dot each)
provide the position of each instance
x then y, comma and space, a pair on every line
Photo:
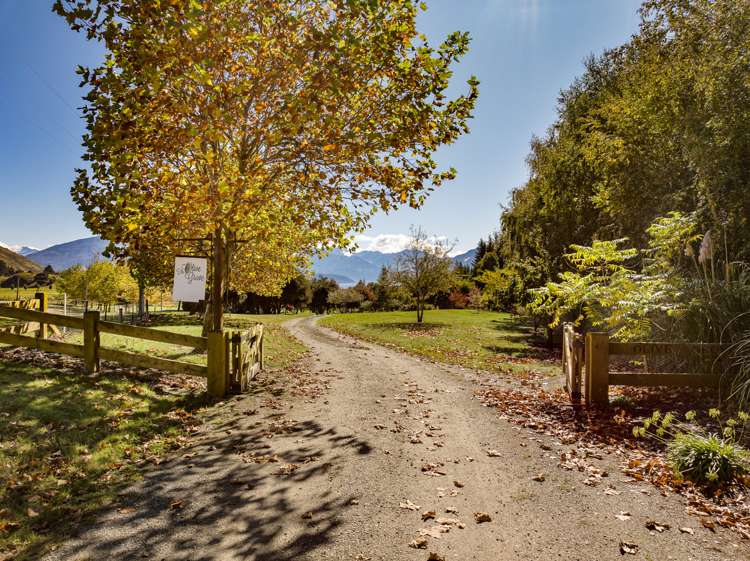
349, 458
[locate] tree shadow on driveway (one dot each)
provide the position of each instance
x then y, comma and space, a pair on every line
250, 489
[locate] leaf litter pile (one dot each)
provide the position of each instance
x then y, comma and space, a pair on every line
585, 434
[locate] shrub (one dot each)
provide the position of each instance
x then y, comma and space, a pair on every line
711, 459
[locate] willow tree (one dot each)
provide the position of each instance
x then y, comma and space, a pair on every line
283, 124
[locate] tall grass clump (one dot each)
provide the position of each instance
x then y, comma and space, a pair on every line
709, 458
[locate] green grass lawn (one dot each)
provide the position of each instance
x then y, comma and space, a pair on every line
69, 442
24, 293
482, 340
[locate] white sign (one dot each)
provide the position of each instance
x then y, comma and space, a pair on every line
189, 279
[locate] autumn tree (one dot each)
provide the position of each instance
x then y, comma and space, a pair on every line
274, 128
424, 269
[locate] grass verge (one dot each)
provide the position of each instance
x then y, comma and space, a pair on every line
69, 442
480, 340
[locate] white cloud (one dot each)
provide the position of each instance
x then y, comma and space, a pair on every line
385, 243
393, 243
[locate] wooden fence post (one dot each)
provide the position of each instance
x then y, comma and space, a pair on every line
91, 341
43, 307
597, 369
260, 346
216, 385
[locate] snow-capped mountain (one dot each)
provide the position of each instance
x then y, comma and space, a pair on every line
20, 249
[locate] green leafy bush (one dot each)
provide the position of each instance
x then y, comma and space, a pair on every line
711, 459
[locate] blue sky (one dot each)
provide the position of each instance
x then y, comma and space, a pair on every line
523, 52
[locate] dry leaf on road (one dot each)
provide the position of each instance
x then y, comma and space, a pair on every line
419, 543
482, 517
408, 505
435, 531
653, 525
628, 548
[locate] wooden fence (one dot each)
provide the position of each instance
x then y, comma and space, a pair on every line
589, 365
233, 359
572, 360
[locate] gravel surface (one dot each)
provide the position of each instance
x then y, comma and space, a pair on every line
350, 474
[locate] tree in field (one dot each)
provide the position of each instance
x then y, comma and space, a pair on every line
273, 127
346, 299
102, 282
424, 269
321, 289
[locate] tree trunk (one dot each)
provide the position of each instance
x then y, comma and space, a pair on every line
141, 299
217, 283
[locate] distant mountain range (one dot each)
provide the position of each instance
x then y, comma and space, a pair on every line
65, 255
348, 269
17, 261
344, 268
23, 250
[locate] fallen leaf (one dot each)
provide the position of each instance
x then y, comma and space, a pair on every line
482, 517
451, 510
539, 477
176, 505
435, 531
653, 525
428, 514
708, 524
624, 515
408, 505
419, 543
435, 557
611, 491
31, 513
493, 453
686, 530
448, 521
307, 515
126, 510
628, 548
458, 484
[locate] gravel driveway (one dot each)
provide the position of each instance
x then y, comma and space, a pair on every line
350, 474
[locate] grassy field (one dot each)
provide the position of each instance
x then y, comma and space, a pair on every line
24, 293
482, 340
69, 442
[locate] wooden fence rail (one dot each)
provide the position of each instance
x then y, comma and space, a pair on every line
598, 378
233, 358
